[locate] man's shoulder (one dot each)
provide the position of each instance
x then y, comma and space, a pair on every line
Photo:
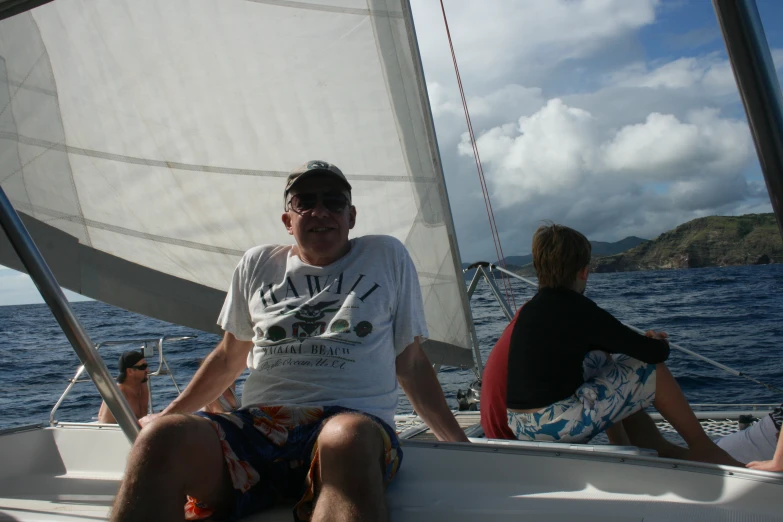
264, 252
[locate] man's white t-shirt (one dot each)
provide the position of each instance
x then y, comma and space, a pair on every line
326, 336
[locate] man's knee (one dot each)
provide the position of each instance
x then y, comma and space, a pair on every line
171, 438
351, 436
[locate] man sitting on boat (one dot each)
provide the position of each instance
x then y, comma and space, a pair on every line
132, 381
760, 445
573, 370
327, 327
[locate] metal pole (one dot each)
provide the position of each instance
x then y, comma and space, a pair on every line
65, 393
512, 274
759, 88
479, 369
672, 345
473, 283
51, 292
495, 290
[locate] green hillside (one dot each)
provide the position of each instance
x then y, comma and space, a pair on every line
710, 241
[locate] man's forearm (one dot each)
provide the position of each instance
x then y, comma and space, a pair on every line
211, 380
423, 390
777, 458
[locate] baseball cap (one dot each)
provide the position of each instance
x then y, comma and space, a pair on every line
128, 359
314, 168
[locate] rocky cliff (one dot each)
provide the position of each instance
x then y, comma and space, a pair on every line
751, 239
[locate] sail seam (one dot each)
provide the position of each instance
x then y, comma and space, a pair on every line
20, 205
436, 277
15, 126
18, 88
327, 8
61, 147
24, 87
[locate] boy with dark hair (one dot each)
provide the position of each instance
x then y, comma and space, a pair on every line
575, 371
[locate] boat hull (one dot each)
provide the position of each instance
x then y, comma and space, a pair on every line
72, 472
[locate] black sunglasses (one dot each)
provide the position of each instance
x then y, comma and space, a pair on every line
140, 367
306, 201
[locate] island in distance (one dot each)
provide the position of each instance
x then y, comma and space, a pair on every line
752, 239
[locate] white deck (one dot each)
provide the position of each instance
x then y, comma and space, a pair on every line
72, 473
715, 424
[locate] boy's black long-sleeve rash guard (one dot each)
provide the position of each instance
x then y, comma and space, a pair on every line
554, 332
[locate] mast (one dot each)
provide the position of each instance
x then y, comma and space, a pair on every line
758, 86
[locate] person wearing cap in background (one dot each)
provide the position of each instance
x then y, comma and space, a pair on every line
132, 381
328, 327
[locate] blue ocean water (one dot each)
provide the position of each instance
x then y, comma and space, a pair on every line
732, 315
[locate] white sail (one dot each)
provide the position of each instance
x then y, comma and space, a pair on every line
147, 142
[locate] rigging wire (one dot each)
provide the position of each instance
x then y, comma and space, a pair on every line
482, 180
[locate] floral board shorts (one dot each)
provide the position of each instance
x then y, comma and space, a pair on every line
272, 454
615, 387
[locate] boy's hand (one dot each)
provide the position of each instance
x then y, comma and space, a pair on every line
661, 336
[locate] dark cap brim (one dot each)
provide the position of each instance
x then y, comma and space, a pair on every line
318, 173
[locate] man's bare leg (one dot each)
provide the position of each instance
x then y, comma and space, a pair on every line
351, 471
643, 432
173, 456
670, 401
617, 435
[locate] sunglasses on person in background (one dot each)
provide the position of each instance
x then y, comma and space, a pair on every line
141, 367
307, 201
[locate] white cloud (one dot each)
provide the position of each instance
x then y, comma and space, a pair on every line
496, 39
545, 152
440, 102
711, 71
512, 98
710, 74
664, 148
565, 164
580, 122
561, 147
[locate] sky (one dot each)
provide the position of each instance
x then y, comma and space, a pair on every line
615, 117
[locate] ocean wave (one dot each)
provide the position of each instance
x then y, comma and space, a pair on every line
715, 312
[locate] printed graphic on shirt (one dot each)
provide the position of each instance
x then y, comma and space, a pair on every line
363, 329
314, 333
310, 317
